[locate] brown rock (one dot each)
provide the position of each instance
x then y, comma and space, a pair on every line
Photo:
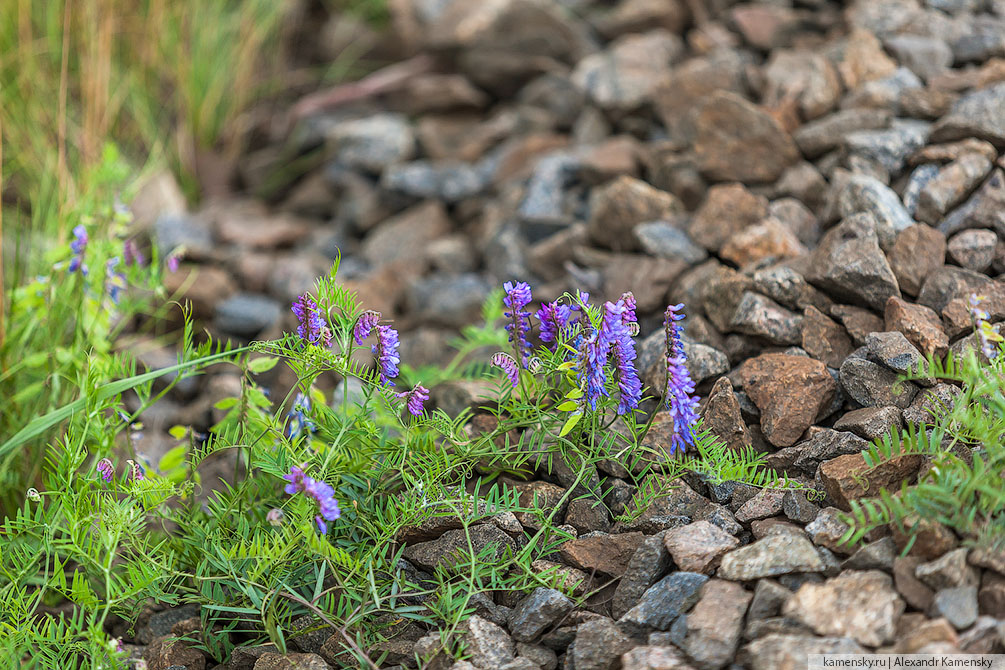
721, 293
618, 206
615, 156
699, 546
910, 587
919, 324
203, 286
767, 239
606, 554
950, 186
765, 26
722, 415
806, 77
690, 83
715, 623
737, 140
646, 277
931, 539
248, 227
540, 495
848, 477
951, 151
407, 233
916, 251
857, 321
727, 210
790, 391
988, 557
633, 16
926, 103
864, 59
168, 651
991, 597
823, 339
917, 632
871, 422
956, 314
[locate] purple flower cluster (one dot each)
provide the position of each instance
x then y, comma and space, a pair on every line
415, 399
386, 351
79, 246
592, 359
131, 253
679, 399
554, 318
319, 491
312, 328
628, 316
517, 297
364, 326
508, 365
616, 331
106, 469
115, 281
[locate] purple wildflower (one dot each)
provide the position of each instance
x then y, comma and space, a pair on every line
312, 328
299, 423
517, 297
628, 316
386, 351
508, 365
593, 352
554, 318
622, 351
322, 493
105, 469
79, 246
679, 399
131, 253
135, 470
115, 281
364, 326
415, 399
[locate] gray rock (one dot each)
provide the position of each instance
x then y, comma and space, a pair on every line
931, 403
703, 362
537, 612
878, 555
540, 655
618, 206
948, 282
984, 209
699, 546
921, 175
891, 147
452, 546
958, 605
977, 114
950, 186
489, 645
850, 265
894, 350
448, 300
714, 626
807, 456
774, 555
829, 132
926, 56
984, 39
654, 657
769, 596
870, 384
827, 530
664, 601
763, 317
649, 563
449, 181
862, 605
797, 507
665, 240
973, 249
544, 199
884, 92
173, 231
626, 75
866, 194
247, 314
776, 651
372, 143
598, 645
948, 571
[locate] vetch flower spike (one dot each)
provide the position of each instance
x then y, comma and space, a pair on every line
517, 297
322, 493
554, 318
79, 246
622, 351
105, 469
364, 326
386, 351
312, 328
593, 351
415, 399
678, 398
508, 365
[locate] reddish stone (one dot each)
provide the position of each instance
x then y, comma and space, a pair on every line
605, 554
848, 477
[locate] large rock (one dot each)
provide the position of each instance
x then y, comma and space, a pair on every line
791, 652
617, 207
699, 546
848, 477
372, 143
977, 114
727, 210
714, 624
862, 605
664, 601
606, 554
769, 557
598, 645
867, 194
537, 612
625, 76
850, 265
737, 140
790, 392
452, 547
